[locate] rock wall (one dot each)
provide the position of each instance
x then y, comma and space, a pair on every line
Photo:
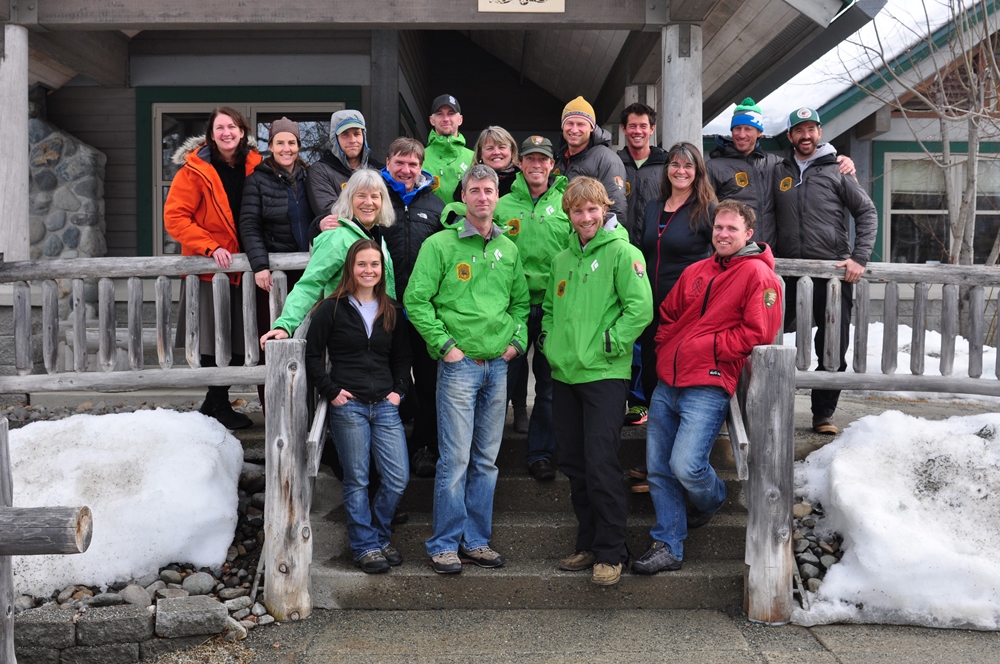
66, 194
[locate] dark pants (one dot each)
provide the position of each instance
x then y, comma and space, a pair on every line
541, 444
263, 299
421, 401
647, 369
824, 402
588, 434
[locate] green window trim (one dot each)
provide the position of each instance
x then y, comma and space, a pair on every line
146, 97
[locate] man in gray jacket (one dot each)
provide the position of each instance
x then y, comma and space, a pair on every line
643, 162
741, 170
585, 151
348, 152
810, 196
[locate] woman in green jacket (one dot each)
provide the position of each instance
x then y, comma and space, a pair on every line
362, 212
597, 303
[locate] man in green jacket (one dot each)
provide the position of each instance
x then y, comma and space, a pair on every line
537, 224
468, 299
597, 303
446, 157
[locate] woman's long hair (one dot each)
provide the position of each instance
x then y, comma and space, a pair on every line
244, 147
702, 191
349, 286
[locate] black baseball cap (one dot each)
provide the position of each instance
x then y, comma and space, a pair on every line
445, 100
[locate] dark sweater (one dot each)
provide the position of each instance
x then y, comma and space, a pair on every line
368, 368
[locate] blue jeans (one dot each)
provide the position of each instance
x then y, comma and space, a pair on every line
362, 431
472, 406
683, 424
541, 441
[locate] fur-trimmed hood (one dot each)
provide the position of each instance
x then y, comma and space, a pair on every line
192, 143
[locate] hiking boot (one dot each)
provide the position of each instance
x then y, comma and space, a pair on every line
656, 559
392, 555
606, 574
696, 518
483, 556
373, 562
578, 562
521, 419
825, 425
542, 470
446, 562
423, 464
399, 518
636, 415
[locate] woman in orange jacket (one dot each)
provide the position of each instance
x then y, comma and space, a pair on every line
200, 213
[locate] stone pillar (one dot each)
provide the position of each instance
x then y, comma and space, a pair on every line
383, 125
680, 111
14, 139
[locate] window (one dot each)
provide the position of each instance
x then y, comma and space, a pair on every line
918, 230
173, 124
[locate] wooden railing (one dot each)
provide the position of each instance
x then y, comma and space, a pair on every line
765, 398
287, 550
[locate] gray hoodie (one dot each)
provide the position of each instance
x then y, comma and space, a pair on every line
328, 176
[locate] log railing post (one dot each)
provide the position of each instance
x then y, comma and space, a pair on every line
6, 568
769, 412
287, 531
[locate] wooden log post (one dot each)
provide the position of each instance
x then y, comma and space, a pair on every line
919, 338
108, 351
79, 328
890, 327
135, 347
192, 331
29, 531
223, 319
287, 531
977, 331
251, 337
862, 307
14, 245
949, 327
50, 325
803, 323
770, 411
22, 328
164, 338
831, 348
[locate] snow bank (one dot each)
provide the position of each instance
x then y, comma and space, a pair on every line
162, 487
916, 502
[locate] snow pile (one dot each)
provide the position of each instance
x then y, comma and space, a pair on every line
162, 487
916, 503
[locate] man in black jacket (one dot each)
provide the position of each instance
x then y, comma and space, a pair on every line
348, 152
643, 162
810, 195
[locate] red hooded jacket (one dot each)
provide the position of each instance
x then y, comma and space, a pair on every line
718, 311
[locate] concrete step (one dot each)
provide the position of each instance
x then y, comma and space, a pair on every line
517, 491
532, 584
529, 536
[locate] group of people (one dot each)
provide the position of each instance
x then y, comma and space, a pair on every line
435, 274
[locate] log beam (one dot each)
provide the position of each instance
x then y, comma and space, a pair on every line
14, 139
32, 531
100, 55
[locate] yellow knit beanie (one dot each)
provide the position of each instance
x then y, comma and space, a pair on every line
579, 107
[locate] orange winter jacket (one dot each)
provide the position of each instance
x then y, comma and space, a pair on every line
197, 212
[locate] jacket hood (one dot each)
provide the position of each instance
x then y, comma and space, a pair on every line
752, 251
424, 181
338, 119
724, 147
193, 143
435, 138
610, 232
825, 153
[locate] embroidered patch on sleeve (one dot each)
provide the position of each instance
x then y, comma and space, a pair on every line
513, 226
770, 297
742, 179
436, 183
639, 268
619, 182
786, 184
342, 186
556, 171
628, 188
464, 271
561, 288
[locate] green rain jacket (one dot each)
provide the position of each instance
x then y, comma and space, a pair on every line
323, 272
597, 304
447, 159
468, 291
540, 230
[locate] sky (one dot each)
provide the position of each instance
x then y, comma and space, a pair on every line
900, 24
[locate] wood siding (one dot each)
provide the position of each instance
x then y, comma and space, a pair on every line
105, 119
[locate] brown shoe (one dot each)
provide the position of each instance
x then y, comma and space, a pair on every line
825, 425
606, 574
638, 486
578, 562
638, 472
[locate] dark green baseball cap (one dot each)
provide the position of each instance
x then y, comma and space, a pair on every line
803, 114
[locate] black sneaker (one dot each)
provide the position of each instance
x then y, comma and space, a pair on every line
392, 555
229, 418
656, 559
696, 518
373, 562
423, 463
542, 470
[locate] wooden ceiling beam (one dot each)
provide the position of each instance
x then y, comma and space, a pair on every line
101, 56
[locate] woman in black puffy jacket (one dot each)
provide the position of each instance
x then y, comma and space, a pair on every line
275, 214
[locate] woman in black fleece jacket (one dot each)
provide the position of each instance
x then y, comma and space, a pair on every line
362, 330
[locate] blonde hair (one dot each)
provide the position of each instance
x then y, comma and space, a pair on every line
582, 190
499, 136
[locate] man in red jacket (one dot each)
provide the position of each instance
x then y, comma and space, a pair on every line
719, 310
